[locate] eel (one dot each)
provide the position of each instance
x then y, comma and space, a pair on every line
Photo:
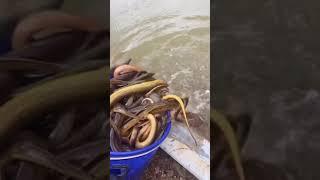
177, 98
120, 109
133, 136
153, 109
63, 127
228, 131
145, 134
26, 151
116, 66
137, 88
153, 123
25, 64
125, 69
51, 94
48, 20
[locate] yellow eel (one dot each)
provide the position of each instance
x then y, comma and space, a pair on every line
228, 132
177, 98
36, 101
136, 88
148, 141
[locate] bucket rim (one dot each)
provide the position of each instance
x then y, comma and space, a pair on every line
143, 151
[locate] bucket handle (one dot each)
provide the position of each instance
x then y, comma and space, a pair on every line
119, 170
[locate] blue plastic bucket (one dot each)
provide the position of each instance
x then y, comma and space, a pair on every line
131, 165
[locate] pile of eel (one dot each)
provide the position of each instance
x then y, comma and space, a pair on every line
52, 99
139, 108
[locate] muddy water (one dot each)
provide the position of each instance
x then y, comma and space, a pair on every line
170, 38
